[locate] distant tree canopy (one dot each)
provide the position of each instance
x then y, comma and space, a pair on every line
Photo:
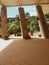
32, 22
14, 23
47, 19
27, 15
47, 15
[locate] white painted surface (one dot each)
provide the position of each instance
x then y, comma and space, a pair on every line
4, 43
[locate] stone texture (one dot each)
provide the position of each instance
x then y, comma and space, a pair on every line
42, 22
23, 24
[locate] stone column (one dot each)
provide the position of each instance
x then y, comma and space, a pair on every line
23, 24
42, 22
4, 22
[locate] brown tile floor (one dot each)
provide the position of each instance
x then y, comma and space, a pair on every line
26, 52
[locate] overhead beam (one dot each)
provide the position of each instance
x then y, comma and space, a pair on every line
1, 3
25, 4
22, 3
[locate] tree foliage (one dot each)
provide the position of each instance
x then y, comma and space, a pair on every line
32, 24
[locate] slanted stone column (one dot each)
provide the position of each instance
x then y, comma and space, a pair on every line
42, 22
4, 22
23, 24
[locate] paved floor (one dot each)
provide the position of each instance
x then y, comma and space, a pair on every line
26, 52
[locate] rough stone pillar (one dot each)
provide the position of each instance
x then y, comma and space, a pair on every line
4, 22
23, 24
42, 22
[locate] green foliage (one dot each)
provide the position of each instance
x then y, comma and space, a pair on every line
14, 23
47, 19
32, 24
17, 18
13, 27
47, 15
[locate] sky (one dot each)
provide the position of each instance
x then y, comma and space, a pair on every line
13, 11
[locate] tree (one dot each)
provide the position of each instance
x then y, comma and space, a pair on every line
32, 23
27, 15
17, 18
47, 15
13, 27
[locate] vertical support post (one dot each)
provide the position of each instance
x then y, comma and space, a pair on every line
42, 22
4, 22
23, 24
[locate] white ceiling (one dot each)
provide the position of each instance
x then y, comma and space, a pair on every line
22, 2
